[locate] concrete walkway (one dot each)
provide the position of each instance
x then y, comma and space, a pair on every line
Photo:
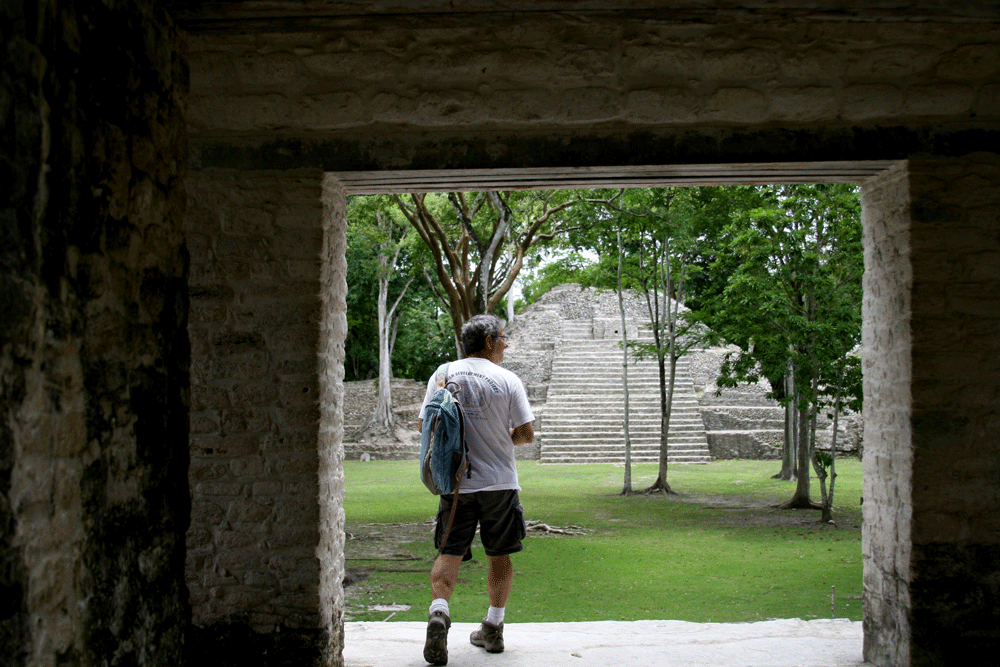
782, 643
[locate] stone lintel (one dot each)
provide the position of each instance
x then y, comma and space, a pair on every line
706, 156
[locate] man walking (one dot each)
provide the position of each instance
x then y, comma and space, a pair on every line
497, 419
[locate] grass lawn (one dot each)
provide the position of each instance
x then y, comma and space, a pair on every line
716, 552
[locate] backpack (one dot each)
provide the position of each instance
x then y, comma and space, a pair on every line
443, 450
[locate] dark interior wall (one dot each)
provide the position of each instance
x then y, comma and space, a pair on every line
19, 250
955, 419
94, 367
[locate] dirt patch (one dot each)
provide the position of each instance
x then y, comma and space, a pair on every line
403, 547
746, 511
382, 547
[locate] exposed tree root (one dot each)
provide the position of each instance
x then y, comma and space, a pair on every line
798, 503
554, 530
659, 487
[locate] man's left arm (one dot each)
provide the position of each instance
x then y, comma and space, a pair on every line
523, 434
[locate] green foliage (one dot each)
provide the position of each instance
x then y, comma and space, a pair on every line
782, 281
424, 337
717, 553
361, 346
824, 459
478, 242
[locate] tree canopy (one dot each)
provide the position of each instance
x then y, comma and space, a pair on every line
478, 242
424, 340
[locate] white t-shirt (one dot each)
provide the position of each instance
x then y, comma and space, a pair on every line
494, 401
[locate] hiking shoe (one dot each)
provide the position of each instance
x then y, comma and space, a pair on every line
489, 636
436, 646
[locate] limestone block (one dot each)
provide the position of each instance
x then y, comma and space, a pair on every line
739, 66
973, 61
644, 65
987, 101
895, 61
264, 71
365, 64
737, 105
331, 110
805, 104
590, 104
670, 105
870, 101
938, 100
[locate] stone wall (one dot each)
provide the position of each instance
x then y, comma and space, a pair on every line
256, 310
642, 92
333, 333
931, 382
888, 461
94, 365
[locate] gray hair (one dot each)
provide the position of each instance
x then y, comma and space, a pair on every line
475, 331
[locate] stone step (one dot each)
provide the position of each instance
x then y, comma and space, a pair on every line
618, 447
556, 427
584, 413
570, 439
620, 459
561, 430
568, 408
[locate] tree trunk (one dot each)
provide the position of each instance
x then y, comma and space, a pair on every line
788, 447
828, 509
382, 417
800, 499
824, 505
627, 486
666, 387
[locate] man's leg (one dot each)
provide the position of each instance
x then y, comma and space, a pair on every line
502, 531
500, 577
490, 633
444, 574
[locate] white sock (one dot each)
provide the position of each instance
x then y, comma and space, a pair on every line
495, 615
440, 604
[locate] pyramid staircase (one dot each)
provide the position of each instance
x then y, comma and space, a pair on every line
583, 420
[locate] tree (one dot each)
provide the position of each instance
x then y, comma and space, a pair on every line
654, 220
660, 222
627, 485
478, 241
792, 299
712, 210
672, 337
374, 225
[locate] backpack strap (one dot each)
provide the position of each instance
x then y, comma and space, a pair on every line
454, 506
461, 471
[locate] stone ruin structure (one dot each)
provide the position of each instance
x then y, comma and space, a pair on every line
173, 276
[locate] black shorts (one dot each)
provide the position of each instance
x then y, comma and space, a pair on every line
500, 518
